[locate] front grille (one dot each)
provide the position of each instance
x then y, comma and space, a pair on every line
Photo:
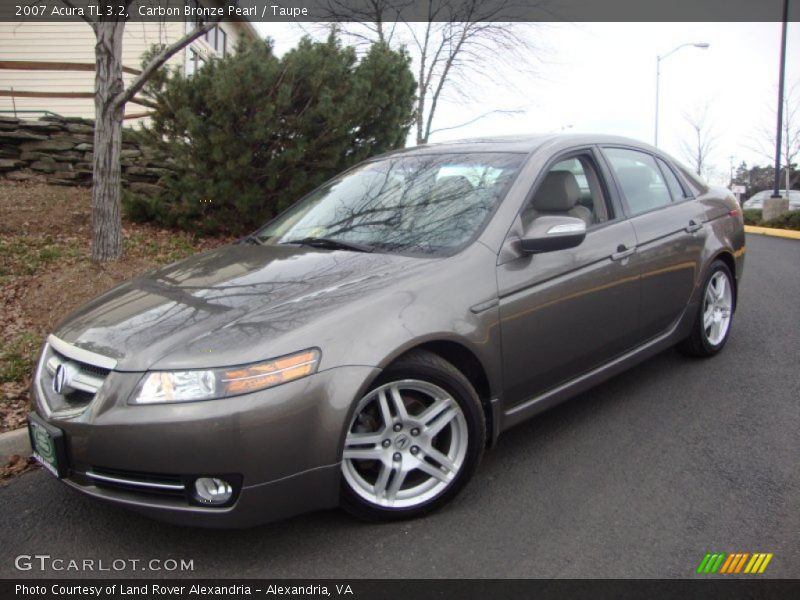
94, 370
85, 374
78, 398
138, 483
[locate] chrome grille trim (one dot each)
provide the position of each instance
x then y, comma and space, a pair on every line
92, 370
81, 355
83, 381
136, 482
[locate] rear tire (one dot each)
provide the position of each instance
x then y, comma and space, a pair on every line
413, 442
714, 319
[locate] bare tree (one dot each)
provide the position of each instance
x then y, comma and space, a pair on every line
764, 140
701, 142
456, 43
370, 20
110, 97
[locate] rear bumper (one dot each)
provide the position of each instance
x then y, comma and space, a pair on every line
282, 447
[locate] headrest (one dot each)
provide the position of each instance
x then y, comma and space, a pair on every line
635, 179
559, 192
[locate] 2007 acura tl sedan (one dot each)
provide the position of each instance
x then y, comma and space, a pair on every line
363, 348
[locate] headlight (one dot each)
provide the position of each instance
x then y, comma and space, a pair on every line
207, 384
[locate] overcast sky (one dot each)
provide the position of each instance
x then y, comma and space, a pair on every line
600, 77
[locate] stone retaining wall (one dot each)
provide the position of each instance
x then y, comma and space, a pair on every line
58, 150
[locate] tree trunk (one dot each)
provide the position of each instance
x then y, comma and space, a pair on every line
420, 117
106, 183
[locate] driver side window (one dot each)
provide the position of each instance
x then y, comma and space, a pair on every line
570, 188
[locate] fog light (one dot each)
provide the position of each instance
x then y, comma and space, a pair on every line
212, 490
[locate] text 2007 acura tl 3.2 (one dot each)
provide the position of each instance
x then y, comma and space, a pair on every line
364, 347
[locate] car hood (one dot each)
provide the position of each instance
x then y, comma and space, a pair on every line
219, 293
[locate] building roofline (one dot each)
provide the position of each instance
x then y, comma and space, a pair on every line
248, 26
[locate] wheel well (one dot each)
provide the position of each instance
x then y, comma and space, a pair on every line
469, 365
727, 258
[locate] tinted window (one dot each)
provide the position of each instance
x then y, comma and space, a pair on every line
639, 178
673, 183
418, 204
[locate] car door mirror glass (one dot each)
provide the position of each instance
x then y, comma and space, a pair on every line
548, 233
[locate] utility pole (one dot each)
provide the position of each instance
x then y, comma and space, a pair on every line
775, 206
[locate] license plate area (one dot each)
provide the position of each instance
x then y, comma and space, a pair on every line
48, 445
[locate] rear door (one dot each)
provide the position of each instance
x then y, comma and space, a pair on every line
670, 234
567, 311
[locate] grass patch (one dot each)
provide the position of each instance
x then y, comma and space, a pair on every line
22, 255
18, 356
160, 247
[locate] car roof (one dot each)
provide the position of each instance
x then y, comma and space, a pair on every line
768, 193
527, 144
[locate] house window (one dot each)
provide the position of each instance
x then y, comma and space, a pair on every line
222, 42
193, 62
217, 39
194, 18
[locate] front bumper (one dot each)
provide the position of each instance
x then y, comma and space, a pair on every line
284, 445
311, 490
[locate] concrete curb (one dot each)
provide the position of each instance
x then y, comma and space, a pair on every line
784, 233
14, 442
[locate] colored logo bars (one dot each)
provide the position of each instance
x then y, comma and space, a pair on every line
738, 562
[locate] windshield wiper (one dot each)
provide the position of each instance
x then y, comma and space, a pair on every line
251, 239
323, 242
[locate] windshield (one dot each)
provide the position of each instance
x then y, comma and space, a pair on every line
427, 204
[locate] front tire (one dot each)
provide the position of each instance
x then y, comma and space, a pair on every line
714, 319
413, 442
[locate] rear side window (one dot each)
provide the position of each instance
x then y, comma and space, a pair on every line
697, 185
674, 185
639, 178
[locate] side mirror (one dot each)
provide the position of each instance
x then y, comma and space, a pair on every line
548, 233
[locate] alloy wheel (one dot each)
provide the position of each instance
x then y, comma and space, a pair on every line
717, 308
405, 445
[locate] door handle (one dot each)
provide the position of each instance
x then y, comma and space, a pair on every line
693, 226
623, 252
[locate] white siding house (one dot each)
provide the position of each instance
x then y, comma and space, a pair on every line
73, 42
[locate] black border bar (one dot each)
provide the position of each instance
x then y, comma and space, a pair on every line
403, 10
731, 588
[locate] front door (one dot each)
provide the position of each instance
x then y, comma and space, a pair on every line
567, 311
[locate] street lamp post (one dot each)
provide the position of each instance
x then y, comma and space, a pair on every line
702, 45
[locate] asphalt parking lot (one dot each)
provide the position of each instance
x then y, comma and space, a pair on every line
638, 478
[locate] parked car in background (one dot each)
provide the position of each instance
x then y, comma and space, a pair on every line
756, 201
366, 346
